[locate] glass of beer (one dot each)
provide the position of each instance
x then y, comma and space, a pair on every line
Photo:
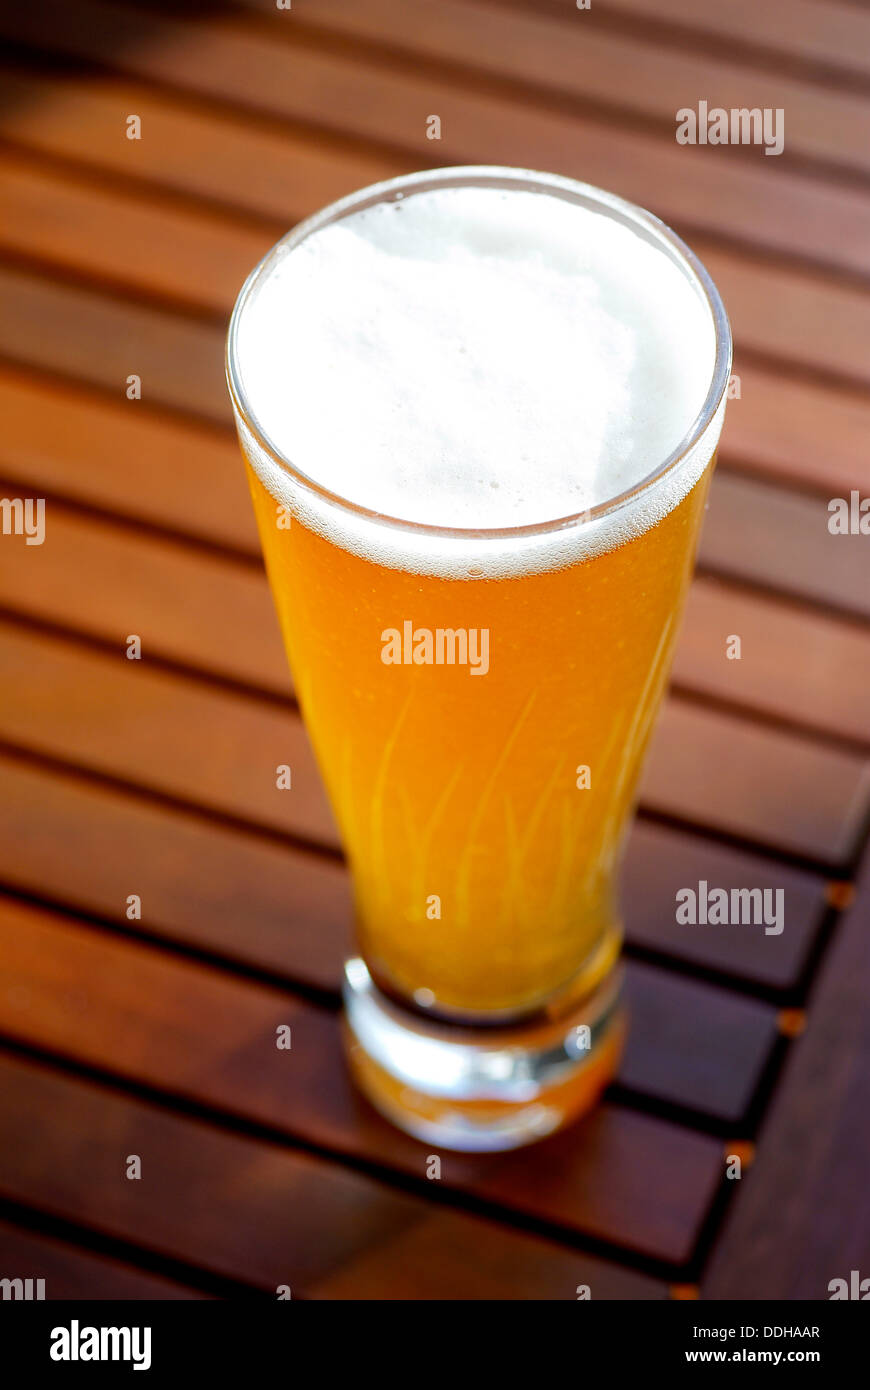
478, 409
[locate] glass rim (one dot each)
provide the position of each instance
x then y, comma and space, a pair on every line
492, 176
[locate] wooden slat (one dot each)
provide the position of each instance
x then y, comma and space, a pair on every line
201, 258
775, 788
98, 578
801, 317
100, 341
776, 312
778, 425
212, 155
679, 1034
230, 894
574, 57
195, 483
178, 475
221, 750
70, 1272
220, 58
799, 431
432, 1262
147, 243
747, 780
197, 881
754, 531
659, 863
805, 1217
121, 719
793, 663
680, 1029
153, 1019
201, 1188
174, 737
816, 31
244, 1209
767, 535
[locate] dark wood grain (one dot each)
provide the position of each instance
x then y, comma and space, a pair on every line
574, 57
231, 894
762, 784
221, 750
756, 532
796, 665
181, 738
65, 1149
157, 778
680, 1029
817, 32
65, 328
242, 1208
660, 862
805, 1217
680, 1033
767, 535
203, 1036
216, 155
389, 105
798, 430
181, 476
70, 1272
97, 579
431, 1261
273, 908
198, 258
47, 323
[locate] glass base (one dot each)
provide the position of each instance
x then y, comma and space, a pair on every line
486, 1088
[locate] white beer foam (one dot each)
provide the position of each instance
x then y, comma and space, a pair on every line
475, 358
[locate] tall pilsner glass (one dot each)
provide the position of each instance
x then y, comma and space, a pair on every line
478, 409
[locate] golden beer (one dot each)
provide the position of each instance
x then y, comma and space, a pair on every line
480, 702
471, 790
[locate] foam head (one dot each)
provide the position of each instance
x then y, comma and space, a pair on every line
473, 357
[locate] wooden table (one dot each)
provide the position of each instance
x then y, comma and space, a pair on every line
153, 1035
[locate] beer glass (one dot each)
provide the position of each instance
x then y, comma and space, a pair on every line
480, 713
